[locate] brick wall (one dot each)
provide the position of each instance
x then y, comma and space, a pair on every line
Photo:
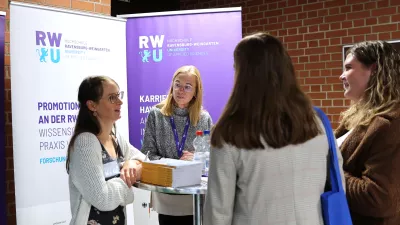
97, 6
314, 32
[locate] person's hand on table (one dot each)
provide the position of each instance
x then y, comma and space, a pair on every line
131, 171
188, 156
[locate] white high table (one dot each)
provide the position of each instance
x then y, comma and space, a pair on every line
198, 192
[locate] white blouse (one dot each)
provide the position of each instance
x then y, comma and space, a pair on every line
343, 138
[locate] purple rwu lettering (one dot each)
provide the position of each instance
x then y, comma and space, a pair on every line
40, 37
54, 37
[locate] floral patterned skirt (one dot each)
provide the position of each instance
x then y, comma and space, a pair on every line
114, 217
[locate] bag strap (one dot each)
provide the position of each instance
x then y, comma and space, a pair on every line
334, 171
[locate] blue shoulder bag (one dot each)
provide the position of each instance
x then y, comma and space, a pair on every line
335, 209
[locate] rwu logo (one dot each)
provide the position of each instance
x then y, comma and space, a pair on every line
54, 40
156, 44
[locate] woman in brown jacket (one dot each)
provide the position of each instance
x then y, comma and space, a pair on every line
368, 135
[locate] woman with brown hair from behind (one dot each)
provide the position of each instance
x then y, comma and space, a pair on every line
269, 156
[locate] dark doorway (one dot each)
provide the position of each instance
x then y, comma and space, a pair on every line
396, 45
120, 7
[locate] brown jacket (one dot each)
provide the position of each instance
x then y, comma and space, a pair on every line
371, 161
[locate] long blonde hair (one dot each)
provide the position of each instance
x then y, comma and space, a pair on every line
195, 105
383, 92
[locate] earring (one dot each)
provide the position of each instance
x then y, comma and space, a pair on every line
94, 113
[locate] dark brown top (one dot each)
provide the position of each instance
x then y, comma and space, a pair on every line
371, 161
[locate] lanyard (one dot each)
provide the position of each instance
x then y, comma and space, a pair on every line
179, 146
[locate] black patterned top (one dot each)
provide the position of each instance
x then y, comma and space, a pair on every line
116, 216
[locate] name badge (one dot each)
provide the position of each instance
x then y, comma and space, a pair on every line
111, 169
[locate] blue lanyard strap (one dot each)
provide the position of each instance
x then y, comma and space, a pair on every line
179, 146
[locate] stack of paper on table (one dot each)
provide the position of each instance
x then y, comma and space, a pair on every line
171, 172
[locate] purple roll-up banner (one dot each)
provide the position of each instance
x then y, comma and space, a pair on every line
158, 44
3, 188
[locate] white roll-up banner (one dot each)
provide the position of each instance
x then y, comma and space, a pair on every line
52, 51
